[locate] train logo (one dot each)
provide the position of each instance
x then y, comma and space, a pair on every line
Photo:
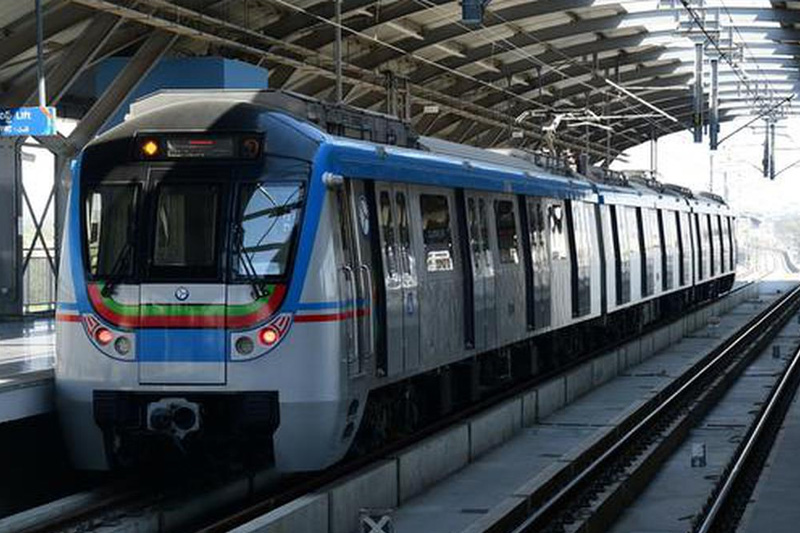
181, 293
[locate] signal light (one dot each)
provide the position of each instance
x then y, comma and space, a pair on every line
103, 336
269, 336
150, 148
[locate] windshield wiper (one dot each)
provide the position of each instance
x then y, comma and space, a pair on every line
116, 274
256, 282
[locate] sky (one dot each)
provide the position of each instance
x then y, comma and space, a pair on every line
737, 161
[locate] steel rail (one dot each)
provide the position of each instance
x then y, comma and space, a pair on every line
760, 438
554, 505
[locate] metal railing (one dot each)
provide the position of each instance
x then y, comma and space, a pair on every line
39, 285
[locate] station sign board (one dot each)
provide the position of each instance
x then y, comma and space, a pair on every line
27, 121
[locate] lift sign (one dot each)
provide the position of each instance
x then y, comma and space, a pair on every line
24, 121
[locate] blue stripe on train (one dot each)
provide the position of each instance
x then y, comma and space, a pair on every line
321, 306
181, 346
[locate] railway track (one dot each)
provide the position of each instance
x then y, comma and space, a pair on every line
590, 492
727, 503
145, 506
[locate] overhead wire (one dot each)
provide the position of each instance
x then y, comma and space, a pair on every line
538, 62
414, 56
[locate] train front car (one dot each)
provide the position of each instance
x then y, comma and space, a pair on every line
190, 229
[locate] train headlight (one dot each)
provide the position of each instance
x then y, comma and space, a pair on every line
122, 345
244, 345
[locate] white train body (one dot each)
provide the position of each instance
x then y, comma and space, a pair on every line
392, 263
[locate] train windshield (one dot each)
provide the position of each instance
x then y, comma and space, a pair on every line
186, 220
266, 227
109, 229
235, 229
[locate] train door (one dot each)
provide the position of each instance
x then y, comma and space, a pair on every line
356, 274
400, 279
433, 216
483, 272
182, 339
410, 279
509, 275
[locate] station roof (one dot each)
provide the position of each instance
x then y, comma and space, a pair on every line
591, 75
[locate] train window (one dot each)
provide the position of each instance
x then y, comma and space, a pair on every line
404, 237
186, 226
436, 234
721, 235
474, 235
268, 216
506, 226
669, 242
652, 249
628, 245
386, 221
582, 218
708, 237
540, 259
109, 220
732, 246
485, 235
558, 240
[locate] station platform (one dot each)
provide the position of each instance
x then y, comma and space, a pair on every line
27, 356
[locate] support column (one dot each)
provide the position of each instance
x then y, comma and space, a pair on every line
653, 156
713, 123
697, 121
772, 149
10, 236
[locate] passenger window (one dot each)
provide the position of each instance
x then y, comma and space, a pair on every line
402, 220
436, 234
387, 230
484, 234
474, 237
558, 242
506, 231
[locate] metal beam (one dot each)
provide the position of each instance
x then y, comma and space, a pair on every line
126, 81
20, 35
69, 64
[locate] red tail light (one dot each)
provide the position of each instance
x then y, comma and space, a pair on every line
269, 336
103, 336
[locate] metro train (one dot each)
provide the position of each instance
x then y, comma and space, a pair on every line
260, 271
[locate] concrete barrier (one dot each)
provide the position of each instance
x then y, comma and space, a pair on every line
604, 368
494, 427
551, 397
579, 381
307, 513
376, 487
661, 339
530, 407
431, 460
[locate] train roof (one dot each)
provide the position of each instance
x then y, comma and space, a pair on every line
364, 131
